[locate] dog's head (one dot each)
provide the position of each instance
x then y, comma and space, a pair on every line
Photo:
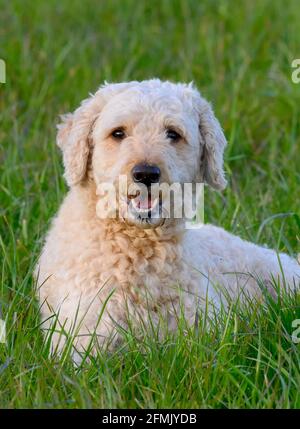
149, 133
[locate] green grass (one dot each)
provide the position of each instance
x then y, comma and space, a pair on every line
239, 54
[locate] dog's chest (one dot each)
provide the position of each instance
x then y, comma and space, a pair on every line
139, 262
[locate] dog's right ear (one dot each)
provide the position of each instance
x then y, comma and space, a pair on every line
73, 138
74, 131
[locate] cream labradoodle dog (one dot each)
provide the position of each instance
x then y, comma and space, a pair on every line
95, 272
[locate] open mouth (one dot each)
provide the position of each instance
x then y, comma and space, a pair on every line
145, 206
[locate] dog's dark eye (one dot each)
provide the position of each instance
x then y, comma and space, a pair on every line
173, 135
119, 134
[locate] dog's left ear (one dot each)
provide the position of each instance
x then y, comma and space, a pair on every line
213, 143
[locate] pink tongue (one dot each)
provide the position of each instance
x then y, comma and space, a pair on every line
145, 203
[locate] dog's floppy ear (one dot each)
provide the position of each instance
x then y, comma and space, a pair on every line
74, 132
73, 138
213, 145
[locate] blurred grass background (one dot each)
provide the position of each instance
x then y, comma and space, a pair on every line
239, 54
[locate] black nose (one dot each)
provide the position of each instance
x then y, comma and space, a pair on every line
146, 174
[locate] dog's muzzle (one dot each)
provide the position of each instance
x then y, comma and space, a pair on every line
144, 205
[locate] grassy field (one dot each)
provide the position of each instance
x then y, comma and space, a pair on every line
239, 54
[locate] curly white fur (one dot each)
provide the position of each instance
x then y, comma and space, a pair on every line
87, 261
